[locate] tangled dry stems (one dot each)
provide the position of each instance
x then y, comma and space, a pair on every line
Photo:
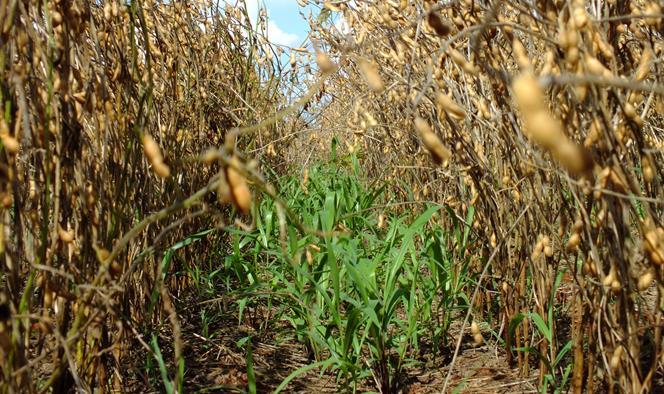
555, 105
107, 107
551, 104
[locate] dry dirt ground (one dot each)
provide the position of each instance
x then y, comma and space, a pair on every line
217, 365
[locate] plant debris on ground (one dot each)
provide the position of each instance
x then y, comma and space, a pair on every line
426, 196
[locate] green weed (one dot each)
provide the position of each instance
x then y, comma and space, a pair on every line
360, 291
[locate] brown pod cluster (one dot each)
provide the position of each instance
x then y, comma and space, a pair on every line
643, 69
447, 104
153, 153
461, 61
432, 143
477, 334
10, 143
66, 236
211, 155
653, 242
324, 63
381, 221
543, 246
648, 169
520, 54
653, 8
612, 280
233, 187
114, 268
614, 363
305, 181
542, 128
371, 76
645, 280
575, 239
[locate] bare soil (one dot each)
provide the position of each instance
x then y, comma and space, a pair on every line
217, 365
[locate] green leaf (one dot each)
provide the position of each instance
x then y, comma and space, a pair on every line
324, 364
541, 325
359, 280
329, 212
424, 218
398, 295
352, 324
467, 226
242, 341
168, 385
370, 313
514, 323
561, 353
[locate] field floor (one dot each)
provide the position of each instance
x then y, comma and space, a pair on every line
217, 365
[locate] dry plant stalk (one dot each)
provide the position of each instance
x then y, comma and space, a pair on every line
582, 148
553, 104
90, 90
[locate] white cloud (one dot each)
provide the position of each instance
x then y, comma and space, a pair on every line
277, 36
252, 10
341, 24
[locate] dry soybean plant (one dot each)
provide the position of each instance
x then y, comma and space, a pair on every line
544, 117
106, 109
553, 105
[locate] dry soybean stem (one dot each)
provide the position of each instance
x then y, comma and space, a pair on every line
477, 288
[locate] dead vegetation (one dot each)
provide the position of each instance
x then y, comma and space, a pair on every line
555, 106
543, 117
106, 109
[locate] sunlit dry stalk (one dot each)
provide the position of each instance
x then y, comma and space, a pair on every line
80, 116
580, 136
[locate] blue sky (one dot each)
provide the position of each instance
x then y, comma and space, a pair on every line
286, 26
